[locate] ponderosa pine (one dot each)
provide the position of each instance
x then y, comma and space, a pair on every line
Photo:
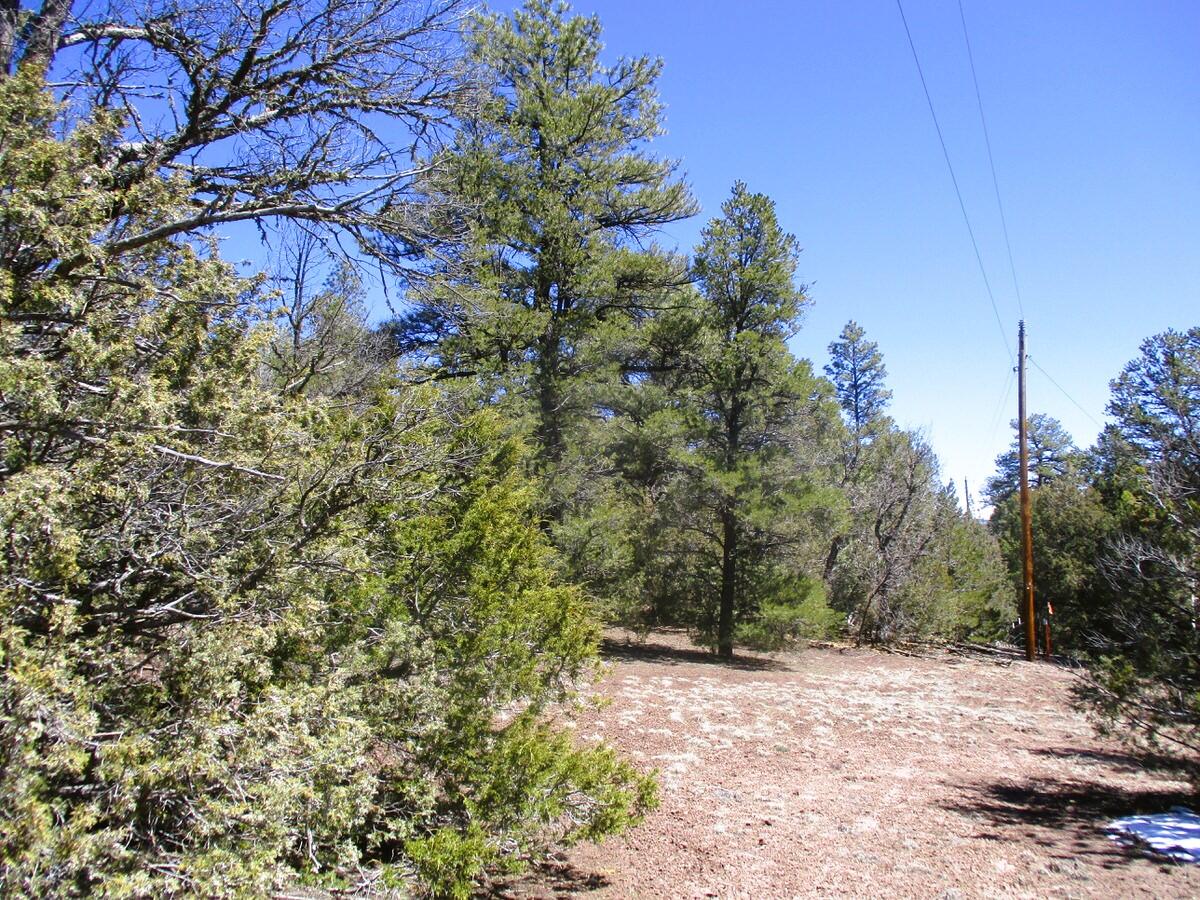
562, 195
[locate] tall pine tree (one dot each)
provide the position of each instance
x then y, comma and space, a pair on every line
561, 197
857, 371
1052, 455
749, 389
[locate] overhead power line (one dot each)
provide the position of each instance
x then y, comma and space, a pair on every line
1063, 391
998, 415
957, 191
991, 161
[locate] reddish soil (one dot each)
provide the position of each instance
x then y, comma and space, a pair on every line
857, 773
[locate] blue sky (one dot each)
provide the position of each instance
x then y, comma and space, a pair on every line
1094, 115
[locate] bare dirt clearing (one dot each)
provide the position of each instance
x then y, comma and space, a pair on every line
855, 773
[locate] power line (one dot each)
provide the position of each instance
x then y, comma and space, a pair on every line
1063, 391
996, 416
991, 161
957, 191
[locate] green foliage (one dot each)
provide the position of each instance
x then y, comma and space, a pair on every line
1116, 539
1146, 677
1072, 531
747, 396
983, 606
559, 196
901, 561
790, 609
517, 790
270, 612
957, 588
261, 622
857, 371
1052, 455
683, 453
875, 566
798, 496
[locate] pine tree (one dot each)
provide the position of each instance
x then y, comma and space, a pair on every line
1052, 455
561, 194
1145, 658
748, 388
857, 371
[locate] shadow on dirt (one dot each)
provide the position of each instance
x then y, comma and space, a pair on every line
555, 877
665, 654
1131, 761
1064, 816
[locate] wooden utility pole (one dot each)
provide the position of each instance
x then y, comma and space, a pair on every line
1026, 503
967, 495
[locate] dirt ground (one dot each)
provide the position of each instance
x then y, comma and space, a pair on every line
856, 773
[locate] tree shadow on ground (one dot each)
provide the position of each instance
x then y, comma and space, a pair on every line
549, 878
1124, 761
667, 655
1066, 817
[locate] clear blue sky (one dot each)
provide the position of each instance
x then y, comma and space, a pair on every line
1094, 114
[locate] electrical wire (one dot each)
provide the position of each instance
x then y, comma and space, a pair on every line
953, 178
991, 161
1063, 391
998, 414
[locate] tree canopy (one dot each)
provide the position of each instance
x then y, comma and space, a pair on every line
748, 390
1052, 454
270, 613
857, 371
559, 193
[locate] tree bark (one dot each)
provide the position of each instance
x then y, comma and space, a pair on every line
729, 536
835, 548
728, 584
10, 10
548, 432
42, 37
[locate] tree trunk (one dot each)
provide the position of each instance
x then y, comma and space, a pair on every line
835, 548
733, 431
10, 12
728, 584
41, 39
548, 435
548, 429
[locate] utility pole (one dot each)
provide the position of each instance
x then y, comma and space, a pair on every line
1026, 503
967, 495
